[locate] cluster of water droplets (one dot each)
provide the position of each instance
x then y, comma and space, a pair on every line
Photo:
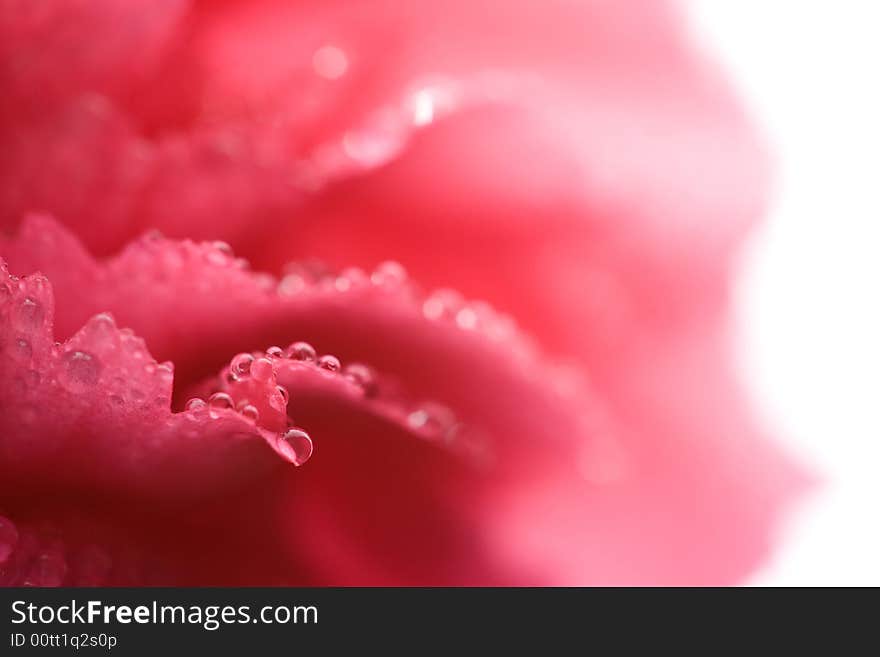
442, 305
250, 387
311, 278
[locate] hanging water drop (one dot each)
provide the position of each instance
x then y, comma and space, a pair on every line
296, 446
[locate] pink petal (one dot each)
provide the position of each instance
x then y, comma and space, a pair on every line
552, 481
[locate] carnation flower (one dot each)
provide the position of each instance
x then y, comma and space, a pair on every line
472, 327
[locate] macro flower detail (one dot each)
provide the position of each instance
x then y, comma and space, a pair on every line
466, 323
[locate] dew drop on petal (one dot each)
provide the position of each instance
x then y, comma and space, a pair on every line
466, 319
102, 326
442, 304
361, 376
241, 365
222, 247
283, 391
8, 538
196, 404
296, 446
432, 420
275, 352
301, 351
250, 412
291, 284
329, 363
80, 371
220, 401
30, 315
262, 370
389, 274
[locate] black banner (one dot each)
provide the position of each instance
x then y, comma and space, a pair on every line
327, 620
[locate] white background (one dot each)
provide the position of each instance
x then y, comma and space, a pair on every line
809, 302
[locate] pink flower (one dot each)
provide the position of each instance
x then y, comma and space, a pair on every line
575, 166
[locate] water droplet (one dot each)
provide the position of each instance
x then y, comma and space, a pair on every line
30, 315
361, 376
291, 284
389, 274
302, 351
220, 401
466, 319
265, 282
275, 352
102, 325
195, 404
433, 420
330, 62
250, 412
356, 275
241, 365
222, 247
284, 394
295, 445
329, 363
8, 538
81, 371
262, 370
442, 303
23, 349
